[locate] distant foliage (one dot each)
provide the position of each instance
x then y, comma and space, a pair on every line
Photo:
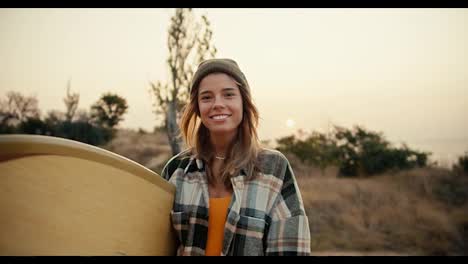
17, 108
75, 130
20, 115
317, 149
108, 111
463, 162
34, 126
357, 152
84, 132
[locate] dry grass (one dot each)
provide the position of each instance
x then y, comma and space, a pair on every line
387, 213
151, 150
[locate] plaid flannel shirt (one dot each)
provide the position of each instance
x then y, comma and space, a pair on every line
266, 216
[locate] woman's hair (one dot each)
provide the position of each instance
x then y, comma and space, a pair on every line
242, 152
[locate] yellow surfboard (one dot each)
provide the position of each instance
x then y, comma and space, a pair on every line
63, 197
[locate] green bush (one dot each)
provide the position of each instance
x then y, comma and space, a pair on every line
96, 129
356, 151
34, 126
317, 149
77, 130
7, 129
84, 132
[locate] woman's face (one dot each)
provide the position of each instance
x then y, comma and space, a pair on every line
220, 104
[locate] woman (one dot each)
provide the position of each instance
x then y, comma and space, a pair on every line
232, 196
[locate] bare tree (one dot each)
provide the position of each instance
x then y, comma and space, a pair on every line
71, 103
18, 108
189, 43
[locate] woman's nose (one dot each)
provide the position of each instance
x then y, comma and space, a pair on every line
218, 102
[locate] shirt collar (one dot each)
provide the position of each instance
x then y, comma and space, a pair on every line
200, 165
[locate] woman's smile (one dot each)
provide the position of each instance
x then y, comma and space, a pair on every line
220, 117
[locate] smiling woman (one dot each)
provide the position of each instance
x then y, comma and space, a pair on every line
220, 105
232, 196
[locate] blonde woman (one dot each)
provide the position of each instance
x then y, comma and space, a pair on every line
233, 197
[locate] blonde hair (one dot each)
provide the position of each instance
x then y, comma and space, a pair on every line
242, 152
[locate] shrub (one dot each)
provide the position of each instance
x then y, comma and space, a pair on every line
356, 151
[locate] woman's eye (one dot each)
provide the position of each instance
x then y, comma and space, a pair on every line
205, 97
230, 94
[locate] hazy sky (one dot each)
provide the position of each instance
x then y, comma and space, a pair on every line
399, 71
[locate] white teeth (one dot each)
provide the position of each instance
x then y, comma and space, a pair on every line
218, 117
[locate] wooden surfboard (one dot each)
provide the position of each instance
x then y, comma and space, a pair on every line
63, 197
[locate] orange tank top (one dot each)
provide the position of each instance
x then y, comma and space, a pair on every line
217, 219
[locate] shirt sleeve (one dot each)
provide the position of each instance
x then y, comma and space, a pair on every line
288, 232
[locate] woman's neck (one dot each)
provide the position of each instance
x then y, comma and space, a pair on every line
221, 143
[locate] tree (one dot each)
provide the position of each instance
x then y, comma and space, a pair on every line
71, 103
316, 149
365, 153
462, 163
357, 151
108, 110
17, 108
189, 43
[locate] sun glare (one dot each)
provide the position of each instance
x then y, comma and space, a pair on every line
290, 123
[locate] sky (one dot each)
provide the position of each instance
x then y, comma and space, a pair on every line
402, 72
